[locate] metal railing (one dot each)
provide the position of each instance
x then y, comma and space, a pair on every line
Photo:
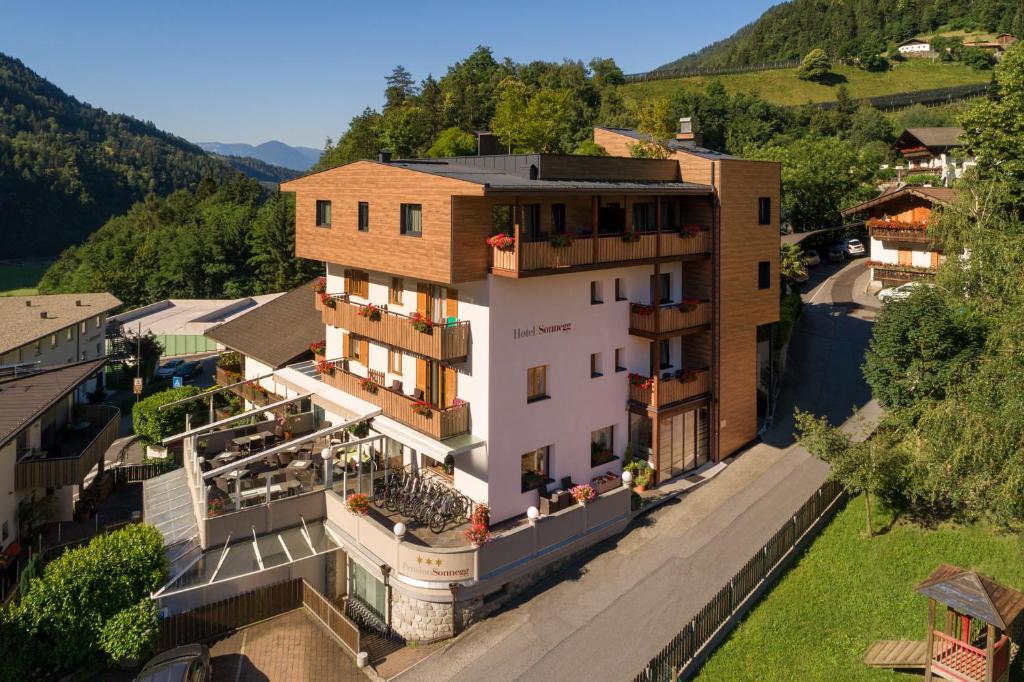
685, 646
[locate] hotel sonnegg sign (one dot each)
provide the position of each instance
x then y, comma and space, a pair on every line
541, 330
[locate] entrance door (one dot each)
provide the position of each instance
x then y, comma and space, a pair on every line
438, 382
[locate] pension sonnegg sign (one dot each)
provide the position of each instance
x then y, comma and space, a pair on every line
435, 567
540, 330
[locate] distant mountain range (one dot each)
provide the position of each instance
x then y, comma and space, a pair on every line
265, 173
275, 153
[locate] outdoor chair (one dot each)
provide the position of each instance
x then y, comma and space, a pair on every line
284, 458
418, 394
396, 385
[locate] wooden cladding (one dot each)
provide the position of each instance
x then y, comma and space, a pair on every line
436, 423
444, 342
669, 319
894, 234
542, 255
894, 275
54, 472
663, 392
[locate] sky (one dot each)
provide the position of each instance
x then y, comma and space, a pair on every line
229, 71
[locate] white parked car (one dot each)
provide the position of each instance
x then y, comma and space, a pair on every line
853, 248
166, 370
901, 292
811, 258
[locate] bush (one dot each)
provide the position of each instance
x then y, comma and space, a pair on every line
789, 311
814, 65
873, 62
977, 58
152, 424
131, 634
922, 179
230, 361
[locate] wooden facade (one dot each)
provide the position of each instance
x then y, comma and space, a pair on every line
55, 472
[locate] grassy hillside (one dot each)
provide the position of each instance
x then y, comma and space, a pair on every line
781, 86
20, 278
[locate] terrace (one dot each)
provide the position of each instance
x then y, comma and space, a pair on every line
658, 392
691, 315
71, 451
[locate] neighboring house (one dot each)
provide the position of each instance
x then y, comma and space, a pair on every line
914, 47
179, 324
933, 151
504, 328
901, 250
50, 440
277, 333
999, 44
56, 329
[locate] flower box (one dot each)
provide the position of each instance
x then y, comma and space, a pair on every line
640, 381
319, 347
691, 230
688, 375
370, 312
689, 304
327, 300
502, 242
421, 323
641, 309
326, 367
369, 385
423, 409
561, 241
320, 285
358, 504
631, 236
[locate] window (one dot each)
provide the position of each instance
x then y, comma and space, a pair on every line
595, 293
602, 444
366, 588
358, 349
558, 218
502, 218
531, 222
53, 340
664, 281
357, 283
620, 359
70, 331
323, 213
537, 383
412, 220
535, 467
99, 349
764, 275
644, 217
364, 216
81, 327
97, 321
764, 211
39, 347
395, 293
394, 362
665, 350
595, 365
620, 289
669, 216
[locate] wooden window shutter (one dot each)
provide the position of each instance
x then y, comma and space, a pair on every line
451, 384
421, 376
904, 256
347, 284
346, 352
364, 352
452, 307
422, 297
935, 259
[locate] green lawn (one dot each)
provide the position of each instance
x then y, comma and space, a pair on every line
21, 278
847, 591
781, 86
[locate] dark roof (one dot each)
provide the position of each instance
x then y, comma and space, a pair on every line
933, 138
936, 195
913, 41
673, 144
975, 595
24, 399
276, 332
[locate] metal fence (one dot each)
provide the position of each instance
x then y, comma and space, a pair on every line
702, 627
902, 100
134, 473
667, 74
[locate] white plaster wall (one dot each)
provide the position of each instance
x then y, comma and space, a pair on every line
921, 258
471, 469
8, 497
882, 252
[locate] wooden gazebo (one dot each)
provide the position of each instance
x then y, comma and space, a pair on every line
971, 643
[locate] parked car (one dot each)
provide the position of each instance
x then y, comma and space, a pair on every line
166, 370
853, 248
189, 663
811, 258
836, 253
901, 292
189, 370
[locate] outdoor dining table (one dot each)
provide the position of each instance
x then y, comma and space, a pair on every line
299, 464
224, 458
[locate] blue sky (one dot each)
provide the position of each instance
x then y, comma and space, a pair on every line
254, 71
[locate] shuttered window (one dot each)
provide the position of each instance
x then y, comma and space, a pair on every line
537, 383
357, 283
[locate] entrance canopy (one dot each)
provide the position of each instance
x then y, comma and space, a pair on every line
975, 595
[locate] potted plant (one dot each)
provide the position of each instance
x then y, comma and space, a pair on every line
370, 312
481, 515
421, 322
319, 347
215, 506
640, 381
478, 534
641, 309
641, 481
359, 429
561, 241
583, 493
358, 504
502, 242
320, 285
326, 367
688, 304
369, 385
449, 465
630, 236
423, 409
327, 300
691, 230
688, 375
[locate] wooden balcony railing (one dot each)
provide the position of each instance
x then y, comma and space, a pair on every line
71, 468
443, 341
892, 275
670, 318
438, 423
957, 660
658, 392
543, 255
252, 392
900, 234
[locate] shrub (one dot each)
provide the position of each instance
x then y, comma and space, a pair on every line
478, 534
130, 635
152, 424
814, 65
359, 429
230, 361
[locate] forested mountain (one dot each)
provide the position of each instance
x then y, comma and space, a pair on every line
847, 28
265, 173
66, 166
274, 152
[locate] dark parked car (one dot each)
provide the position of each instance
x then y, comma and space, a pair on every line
837, 253
189, 663
189, 370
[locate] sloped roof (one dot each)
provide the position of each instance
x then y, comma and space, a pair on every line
277, 332
943, 196
976, 595
23, 399
23, 323
935, 138
673, 144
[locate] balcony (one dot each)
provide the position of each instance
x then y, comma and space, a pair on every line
438, 423
891, 274
657, 392
670, 320
252, 392
541, 257
443, 341
889, 229
76, 449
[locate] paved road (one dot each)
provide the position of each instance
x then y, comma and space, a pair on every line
606, 620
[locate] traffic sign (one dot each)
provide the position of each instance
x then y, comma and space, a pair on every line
137, 386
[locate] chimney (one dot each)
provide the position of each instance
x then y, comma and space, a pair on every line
28, 304
78, 303
384, 156
487, 144
689, 131
42, 315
